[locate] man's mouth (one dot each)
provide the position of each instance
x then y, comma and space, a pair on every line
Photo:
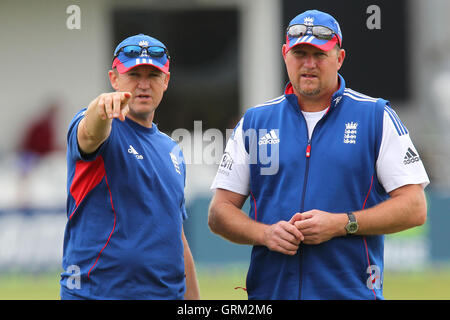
143, 96
308, 75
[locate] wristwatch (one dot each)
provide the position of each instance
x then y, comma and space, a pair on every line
352, 225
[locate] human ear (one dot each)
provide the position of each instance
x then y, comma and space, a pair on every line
113, 79
340, 57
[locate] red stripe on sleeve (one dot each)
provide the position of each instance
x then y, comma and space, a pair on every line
88, 174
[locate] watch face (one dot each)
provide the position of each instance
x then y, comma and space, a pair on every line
352, 227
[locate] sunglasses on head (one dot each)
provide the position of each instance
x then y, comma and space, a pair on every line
133, 51
320, 32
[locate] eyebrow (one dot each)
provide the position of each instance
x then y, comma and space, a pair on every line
306, 51
145, 73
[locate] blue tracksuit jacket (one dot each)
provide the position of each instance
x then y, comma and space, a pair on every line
334, 171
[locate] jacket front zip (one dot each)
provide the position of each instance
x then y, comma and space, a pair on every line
305, 182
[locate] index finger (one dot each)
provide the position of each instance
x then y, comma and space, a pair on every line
296, 217
301, 225
125, 97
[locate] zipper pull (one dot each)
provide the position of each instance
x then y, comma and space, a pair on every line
308, 150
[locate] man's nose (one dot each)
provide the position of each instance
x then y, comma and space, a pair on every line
144, 83
310, 61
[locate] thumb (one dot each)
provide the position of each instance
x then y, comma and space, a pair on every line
296, 217
124, 112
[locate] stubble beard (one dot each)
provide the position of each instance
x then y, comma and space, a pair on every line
308, 92
141, 115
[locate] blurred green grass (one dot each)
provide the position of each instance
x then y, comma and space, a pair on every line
221, 284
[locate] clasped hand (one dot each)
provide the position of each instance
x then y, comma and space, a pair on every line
310, 227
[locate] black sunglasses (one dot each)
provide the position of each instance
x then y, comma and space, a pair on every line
320, 32
133, 51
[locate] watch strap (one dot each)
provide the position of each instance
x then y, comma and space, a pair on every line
351, 217
352, 225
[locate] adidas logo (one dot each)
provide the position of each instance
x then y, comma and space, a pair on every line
269, 138
175, 163
410, 157
135, 153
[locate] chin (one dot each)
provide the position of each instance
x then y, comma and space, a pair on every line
310, 92
142, 111
142, 107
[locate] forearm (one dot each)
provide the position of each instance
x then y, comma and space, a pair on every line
95, 127
228, 220
192, 288
92, 130
233, 224
405, 209
402, 211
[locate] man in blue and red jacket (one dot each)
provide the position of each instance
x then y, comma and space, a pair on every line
124, 237
328, 170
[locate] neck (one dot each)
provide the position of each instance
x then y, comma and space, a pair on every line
313, 106
145, 121
315, 103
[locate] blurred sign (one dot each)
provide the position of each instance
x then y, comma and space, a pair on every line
34, 241
31, 242
409, 250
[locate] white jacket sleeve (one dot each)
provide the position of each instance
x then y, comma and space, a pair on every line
233, 173
398, 162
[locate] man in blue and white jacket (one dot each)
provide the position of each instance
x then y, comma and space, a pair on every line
328, 170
